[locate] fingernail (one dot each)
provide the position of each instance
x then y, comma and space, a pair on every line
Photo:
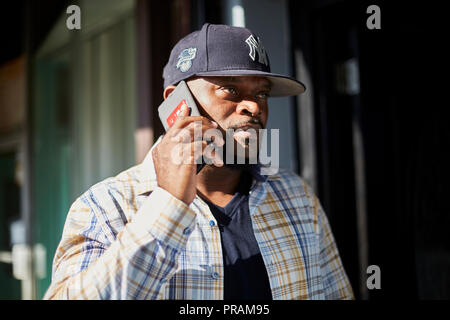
215, 124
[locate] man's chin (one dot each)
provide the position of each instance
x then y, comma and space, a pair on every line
239, 167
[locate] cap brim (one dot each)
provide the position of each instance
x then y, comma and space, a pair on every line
282, 86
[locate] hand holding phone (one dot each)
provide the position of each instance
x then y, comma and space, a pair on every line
181, 119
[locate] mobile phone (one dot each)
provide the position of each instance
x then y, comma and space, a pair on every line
171, 107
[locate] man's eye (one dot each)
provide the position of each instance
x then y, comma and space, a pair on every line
230, 90
263, 95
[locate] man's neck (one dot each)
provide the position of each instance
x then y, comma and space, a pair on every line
218, 184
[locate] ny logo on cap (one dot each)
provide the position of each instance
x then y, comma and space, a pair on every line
257, 46
185, 59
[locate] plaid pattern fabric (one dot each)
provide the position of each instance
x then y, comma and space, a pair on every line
127, 238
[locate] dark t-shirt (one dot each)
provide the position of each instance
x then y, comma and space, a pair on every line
245, 274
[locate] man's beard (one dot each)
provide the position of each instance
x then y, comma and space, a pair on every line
240, 163
240, 166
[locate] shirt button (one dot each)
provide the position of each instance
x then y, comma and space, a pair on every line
215, 275
187, 231
212, 223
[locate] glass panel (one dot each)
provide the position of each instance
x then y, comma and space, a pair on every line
84, 114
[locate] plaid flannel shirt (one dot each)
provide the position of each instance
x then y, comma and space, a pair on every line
127, 238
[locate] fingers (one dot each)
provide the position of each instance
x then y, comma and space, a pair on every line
184, 119
194, 152
195, 131
188, 153
191, 136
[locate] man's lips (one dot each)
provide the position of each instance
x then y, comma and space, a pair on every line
242, 133
245, 127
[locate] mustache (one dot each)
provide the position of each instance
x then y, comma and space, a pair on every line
250, 122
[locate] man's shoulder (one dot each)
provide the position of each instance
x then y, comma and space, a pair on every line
285, 181
111, 202
286, 176
120, 191
128, 179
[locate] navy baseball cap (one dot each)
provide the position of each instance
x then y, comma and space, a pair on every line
221, 50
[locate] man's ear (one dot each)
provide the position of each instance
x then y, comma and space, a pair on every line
168, 90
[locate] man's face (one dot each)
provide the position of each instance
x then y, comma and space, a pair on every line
233, 101
238, 103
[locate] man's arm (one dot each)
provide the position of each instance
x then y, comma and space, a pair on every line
143, 256
135, 265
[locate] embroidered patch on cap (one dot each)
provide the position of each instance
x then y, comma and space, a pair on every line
257, 46
185, 59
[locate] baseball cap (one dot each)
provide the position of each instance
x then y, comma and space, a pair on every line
221, 50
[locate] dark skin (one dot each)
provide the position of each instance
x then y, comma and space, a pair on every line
224, 102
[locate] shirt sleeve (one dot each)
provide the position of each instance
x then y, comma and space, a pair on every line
136, 265
335, 281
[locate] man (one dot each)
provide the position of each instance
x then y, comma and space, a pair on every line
161, 231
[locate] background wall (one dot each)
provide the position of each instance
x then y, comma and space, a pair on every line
370, 134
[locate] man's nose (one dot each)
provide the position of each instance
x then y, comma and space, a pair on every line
248, 107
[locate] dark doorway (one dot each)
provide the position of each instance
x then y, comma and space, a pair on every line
403, 135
